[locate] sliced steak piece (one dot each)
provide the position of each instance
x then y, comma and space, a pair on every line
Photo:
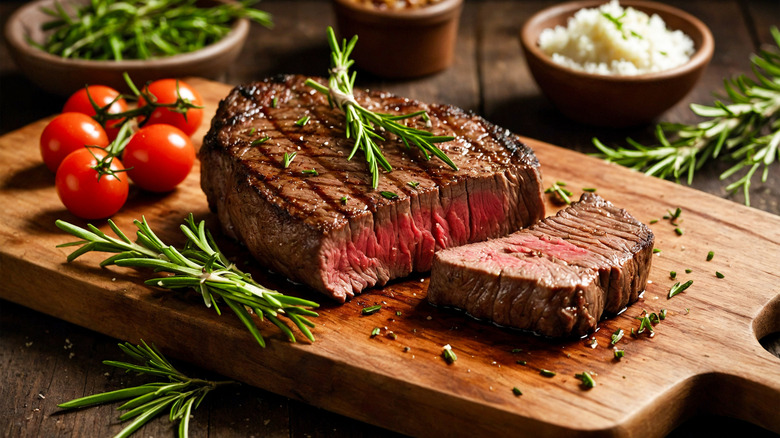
331, 230
555, 278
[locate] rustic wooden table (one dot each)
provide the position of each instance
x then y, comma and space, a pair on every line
44, 361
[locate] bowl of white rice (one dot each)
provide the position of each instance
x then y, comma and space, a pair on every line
616, 64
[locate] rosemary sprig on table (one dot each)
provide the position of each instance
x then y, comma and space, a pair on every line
362, 124
199, 265
141, 29
747, 130
178, 393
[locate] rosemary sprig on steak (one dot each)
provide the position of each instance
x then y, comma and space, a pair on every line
363, 124
177, 393
747, 131
199, 265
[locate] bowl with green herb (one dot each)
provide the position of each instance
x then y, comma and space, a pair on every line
62, 45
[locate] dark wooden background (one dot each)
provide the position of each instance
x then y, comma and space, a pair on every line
45, 361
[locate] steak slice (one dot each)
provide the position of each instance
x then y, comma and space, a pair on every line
555, 278
331, 230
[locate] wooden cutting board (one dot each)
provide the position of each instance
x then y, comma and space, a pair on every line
703, 358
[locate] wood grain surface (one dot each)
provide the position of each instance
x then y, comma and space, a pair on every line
704, 358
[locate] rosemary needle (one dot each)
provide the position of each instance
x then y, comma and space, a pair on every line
199, 265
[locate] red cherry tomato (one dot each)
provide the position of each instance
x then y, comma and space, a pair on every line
79, 102
68, 132
83, 193
165, 92
159, 157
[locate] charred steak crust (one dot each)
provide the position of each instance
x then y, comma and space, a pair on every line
555, 278
331, 230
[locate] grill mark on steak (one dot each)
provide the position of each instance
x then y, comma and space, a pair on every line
297, 225
555, 278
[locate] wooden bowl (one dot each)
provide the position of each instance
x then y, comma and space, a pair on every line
64, 76
615, 101
400, 43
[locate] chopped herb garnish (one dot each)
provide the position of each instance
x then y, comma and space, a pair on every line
287, 159
311, 171
679, 231
719, 275
654, 221
516, 392
688, 271
617, 336
547, 373
672, 274
619, 354
303, 121
398, 313
388, 195
678, 288
260, 141
559, 193
449, 355
392, 335
252, 131
656, 250
344, 199
654, 318
274, 102
375, 332
371, 309
710, 255
676, 214
587, 380
517, 350
588, 189
662, 314
413, 184
644, 324
521, 362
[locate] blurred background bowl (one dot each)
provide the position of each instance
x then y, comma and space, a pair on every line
609, 100
64, 76
403, 43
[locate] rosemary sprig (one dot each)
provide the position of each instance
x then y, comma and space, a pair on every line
140, 29
199, 265
747, 131
178, 393
362, 124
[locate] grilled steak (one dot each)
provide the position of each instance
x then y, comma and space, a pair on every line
555, 278
331, 230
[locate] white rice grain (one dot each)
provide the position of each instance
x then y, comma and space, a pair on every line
611, 40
